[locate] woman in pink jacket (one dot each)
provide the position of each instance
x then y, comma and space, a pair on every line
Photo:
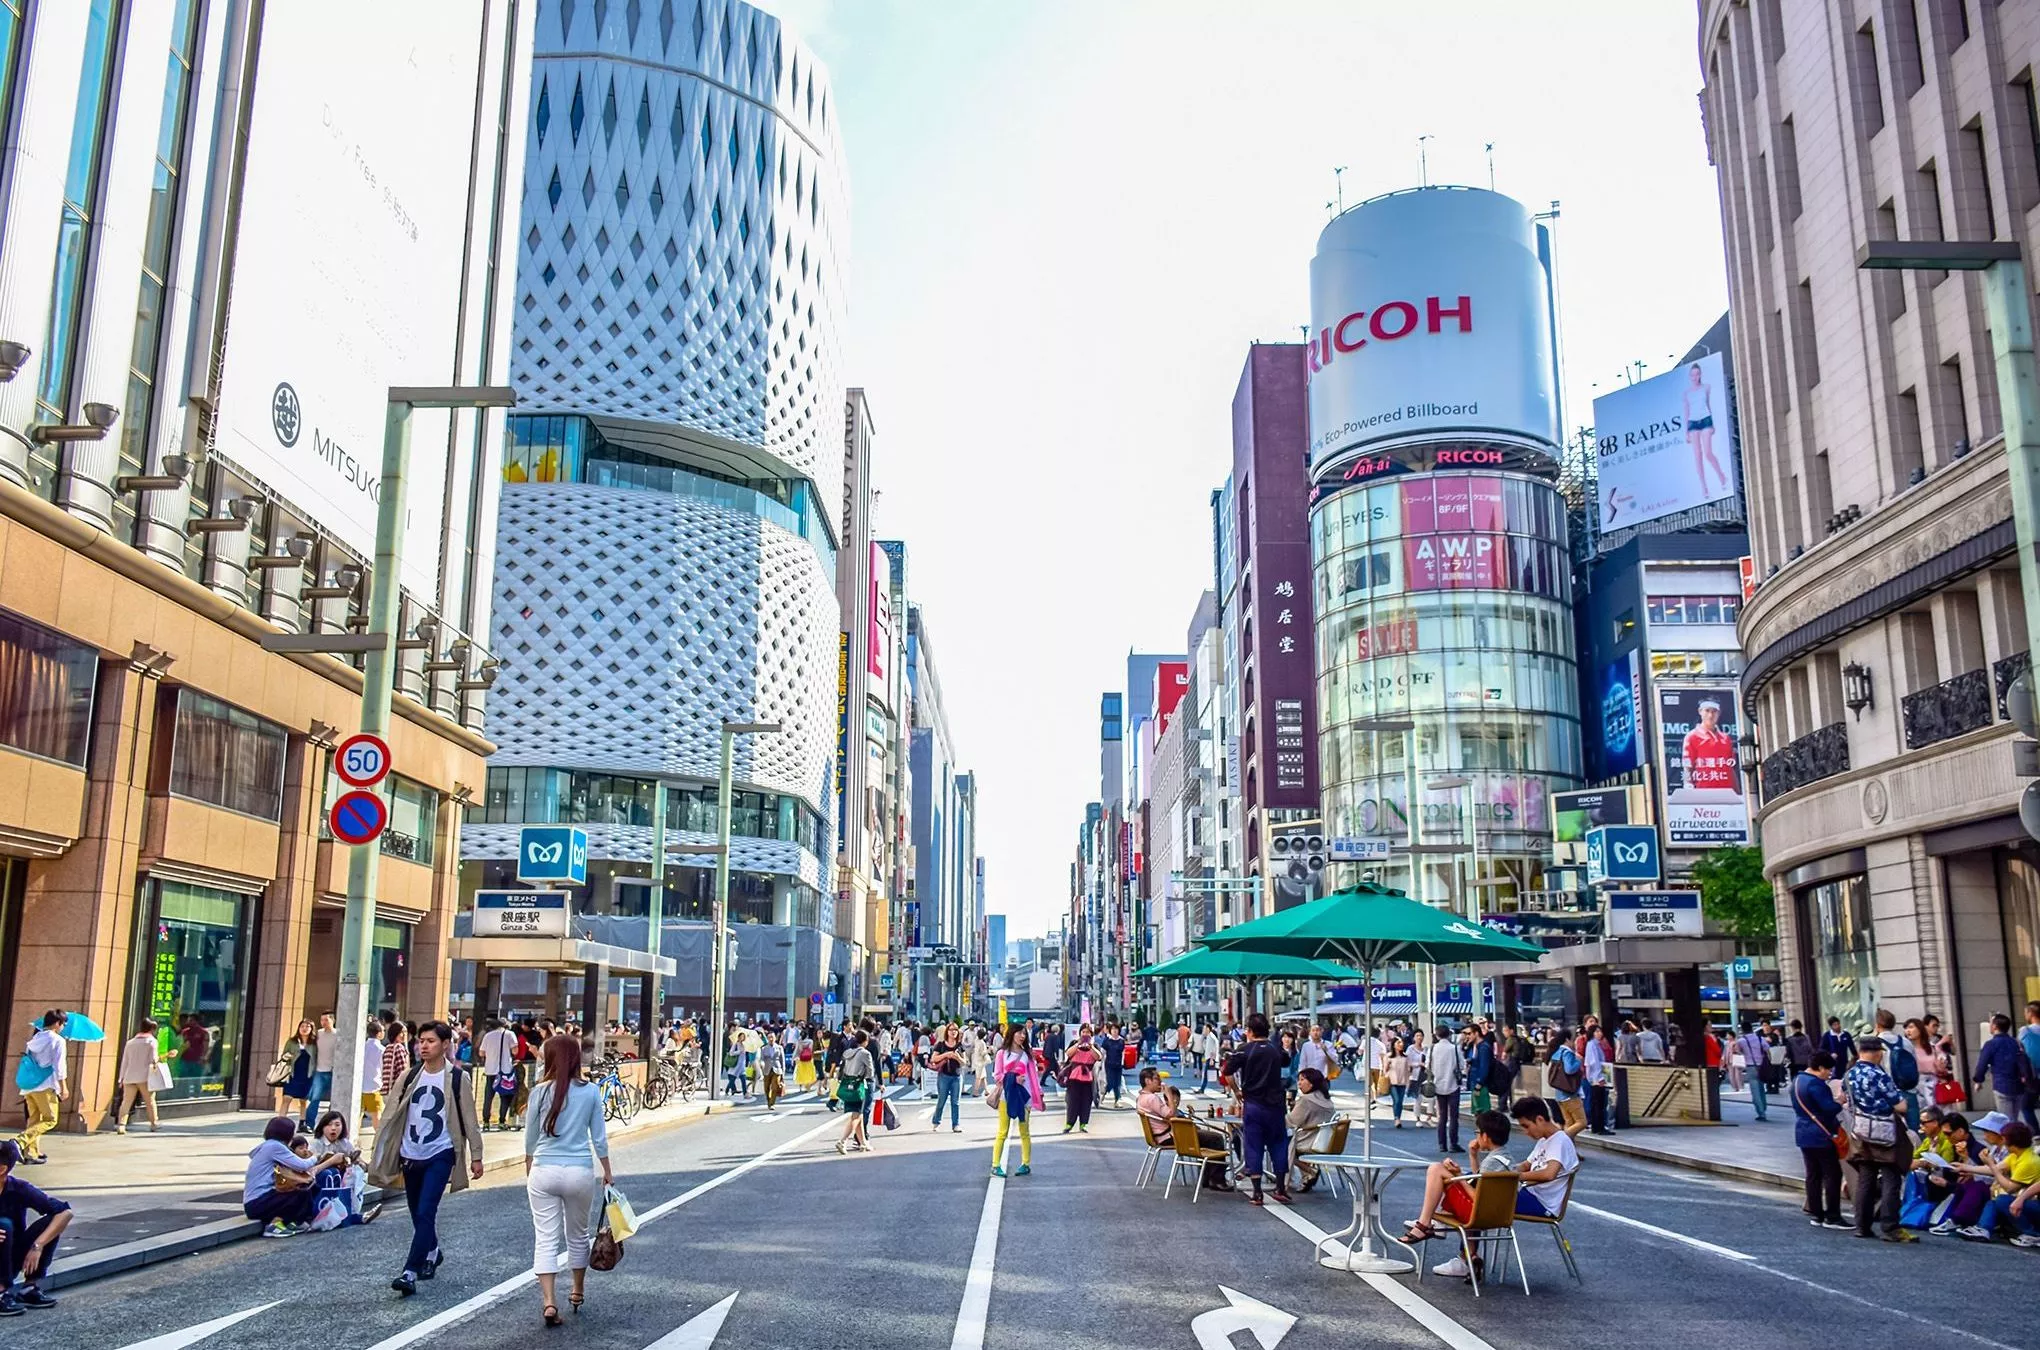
1015, 1088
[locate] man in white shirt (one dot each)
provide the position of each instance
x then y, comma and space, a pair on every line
1550, 1163
1315, 1054
371, 1074
325, 1042
48, 1051
499, 1062
1447, 1069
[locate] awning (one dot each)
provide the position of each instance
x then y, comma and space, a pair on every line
565, 954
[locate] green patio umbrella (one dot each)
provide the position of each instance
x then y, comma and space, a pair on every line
1208, 963
1367, 927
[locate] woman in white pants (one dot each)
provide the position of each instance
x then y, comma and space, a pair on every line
564, 1142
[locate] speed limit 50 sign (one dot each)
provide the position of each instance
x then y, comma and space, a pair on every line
362, 760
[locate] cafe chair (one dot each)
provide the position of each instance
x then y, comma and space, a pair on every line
1154, 1132
1492, 1223
1555, 1221
1191, 1153
1335, 1144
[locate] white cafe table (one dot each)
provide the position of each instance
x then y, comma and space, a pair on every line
1366, 1178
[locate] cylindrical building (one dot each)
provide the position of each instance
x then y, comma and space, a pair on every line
1447, 711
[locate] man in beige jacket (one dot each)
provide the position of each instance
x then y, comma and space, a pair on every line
428, 1138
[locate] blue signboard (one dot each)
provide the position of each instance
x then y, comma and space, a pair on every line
552, 853
1621, 695
1743, 968
1622, 853
1654, 914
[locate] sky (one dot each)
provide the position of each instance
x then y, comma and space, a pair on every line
1069, 220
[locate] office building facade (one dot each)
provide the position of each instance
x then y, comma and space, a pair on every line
1888, 621
204, 302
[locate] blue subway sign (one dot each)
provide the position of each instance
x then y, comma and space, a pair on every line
552, 853
1622, 853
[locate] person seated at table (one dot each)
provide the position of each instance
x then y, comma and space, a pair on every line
1450, 1186
1310, 1124
1552, 1159
1208, 1135
1150, 1102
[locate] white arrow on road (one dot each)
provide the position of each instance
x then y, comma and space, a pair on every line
177, 1340
698, 1332
1268, 1325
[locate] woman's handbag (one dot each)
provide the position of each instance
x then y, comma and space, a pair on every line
606, 1250
279, 1072
290, 1179
1876, 1131
1947, 1092
159, 1077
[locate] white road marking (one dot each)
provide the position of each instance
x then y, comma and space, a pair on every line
496, 1293
698, 1332
176, 1340
779, 1115
1266, 1324
976, 1307
1402, 1296
1652, 1228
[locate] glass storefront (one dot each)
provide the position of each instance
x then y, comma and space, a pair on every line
389, 975
2018, 881
1840, 950
194, 953
1444, 607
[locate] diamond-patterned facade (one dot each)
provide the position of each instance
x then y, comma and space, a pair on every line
744, 345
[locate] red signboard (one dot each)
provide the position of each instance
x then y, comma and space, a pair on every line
1172, 681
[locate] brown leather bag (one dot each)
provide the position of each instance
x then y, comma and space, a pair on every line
606, 1251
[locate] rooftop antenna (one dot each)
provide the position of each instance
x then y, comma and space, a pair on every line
1331, 209
1490, 166
1339, 176
1424, 160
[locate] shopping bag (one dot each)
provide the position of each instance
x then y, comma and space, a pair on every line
617, 1214
1917, 1208
887, 1116
159, 1077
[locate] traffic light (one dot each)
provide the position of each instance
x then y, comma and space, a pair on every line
1299, 851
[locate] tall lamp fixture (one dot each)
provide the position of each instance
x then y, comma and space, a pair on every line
1856, 692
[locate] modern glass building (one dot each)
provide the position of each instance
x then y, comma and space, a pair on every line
667, 562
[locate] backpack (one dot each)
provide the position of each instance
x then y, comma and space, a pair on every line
1905, 1070
1501, 1074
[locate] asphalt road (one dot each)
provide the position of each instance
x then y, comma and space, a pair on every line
767, 1238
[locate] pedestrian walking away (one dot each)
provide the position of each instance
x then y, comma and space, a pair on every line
41, 1080
565, 1141
1079, 1073
427, 1140
27, 1248
1256, 1072
142, 1073
499, 1074
1015, 1088
1112, 1046
945, 1062
857, 1082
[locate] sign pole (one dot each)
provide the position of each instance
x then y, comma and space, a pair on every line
648, 1034
718, 957
350, 1014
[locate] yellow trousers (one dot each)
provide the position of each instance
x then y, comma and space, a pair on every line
1026, 1140
42, 1118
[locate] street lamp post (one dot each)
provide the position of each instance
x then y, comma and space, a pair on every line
350, 1009
719, 956
2009, 312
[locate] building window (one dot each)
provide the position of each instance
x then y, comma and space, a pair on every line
1834, 924
138, 421
45, 691
74, 233
196, 943
414, 816
226, 757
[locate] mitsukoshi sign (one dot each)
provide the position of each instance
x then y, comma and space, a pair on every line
1430, 316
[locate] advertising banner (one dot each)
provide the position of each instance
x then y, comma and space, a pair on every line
1704, 804
1663, 445
879, 610
354, 221
1578, 812
842, 731
1172, 681
1430, 314
1621, 705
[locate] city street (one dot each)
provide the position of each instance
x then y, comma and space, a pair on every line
758, 1234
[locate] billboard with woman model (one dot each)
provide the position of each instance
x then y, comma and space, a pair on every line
1664, 445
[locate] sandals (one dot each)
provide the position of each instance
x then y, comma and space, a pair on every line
552, 1316
1418, 1232
575, 1301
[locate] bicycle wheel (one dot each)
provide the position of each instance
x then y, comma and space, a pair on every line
632, 1101
657, 1090
611, 1101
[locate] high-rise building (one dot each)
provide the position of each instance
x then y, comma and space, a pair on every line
1888, 620
216, 258
670, 542
995, 940
1447, 708
941, 905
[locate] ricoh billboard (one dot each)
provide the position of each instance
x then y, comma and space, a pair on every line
350, 248
1430, 319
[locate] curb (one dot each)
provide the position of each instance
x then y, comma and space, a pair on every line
1663, 1155
150, 1251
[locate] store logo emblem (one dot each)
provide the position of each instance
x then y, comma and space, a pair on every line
286, 414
